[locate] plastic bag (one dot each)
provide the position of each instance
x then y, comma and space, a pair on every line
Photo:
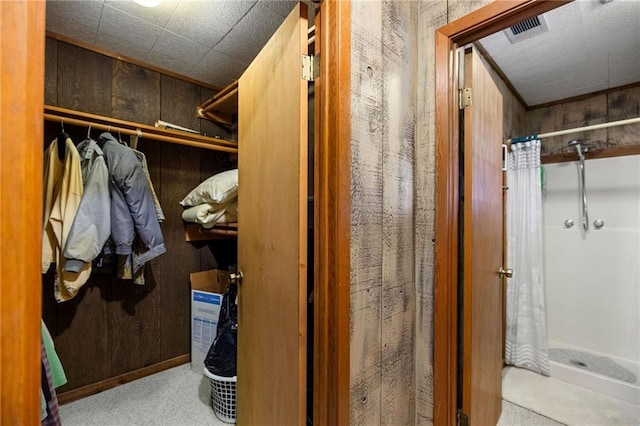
221, 357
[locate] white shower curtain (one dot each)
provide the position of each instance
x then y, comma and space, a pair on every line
526, 335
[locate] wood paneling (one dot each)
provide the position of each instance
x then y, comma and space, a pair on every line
81, 332
602, 107
366, 222
51, 72
135, 93
21, 130
178, 98
383, 292
180, 174
84, 80
113, 326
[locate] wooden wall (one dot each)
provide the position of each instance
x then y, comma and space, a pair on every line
613, 105
113, 326
383, 296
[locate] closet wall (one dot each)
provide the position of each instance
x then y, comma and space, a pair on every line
113, 326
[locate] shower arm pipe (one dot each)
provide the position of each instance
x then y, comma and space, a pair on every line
579, 129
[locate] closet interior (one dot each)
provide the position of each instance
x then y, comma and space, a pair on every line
113, 327
113, 330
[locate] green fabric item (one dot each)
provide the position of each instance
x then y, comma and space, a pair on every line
57, 372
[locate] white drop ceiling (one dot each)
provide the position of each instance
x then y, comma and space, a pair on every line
590, 45
212, 41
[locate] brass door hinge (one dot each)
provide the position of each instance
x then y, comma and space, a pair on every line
463, 419
310, 67
465, 98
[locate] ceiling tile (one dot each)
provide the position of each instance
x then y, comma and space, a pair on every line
248, 37
170, 44
207, 22
75, 19
281, 7
169, 62
219, 69
122, 45
158, 15
115, 22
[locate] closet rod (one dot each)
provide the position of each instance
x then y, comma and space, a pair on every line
577, 130
63, 115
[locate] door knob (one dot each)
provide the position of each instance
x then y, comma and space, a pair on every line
505, 272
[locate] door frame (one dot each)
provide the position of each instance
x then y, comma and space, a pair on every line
22, 121
332, 201
480, 23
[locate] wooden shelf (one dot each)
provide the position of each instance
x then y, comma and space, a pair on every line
220, 231
222, 106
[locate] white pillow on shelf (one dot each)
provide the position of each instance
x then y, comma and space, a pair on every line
218, 189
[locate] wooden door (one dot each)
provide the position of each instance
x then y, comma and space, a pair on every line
272, 230
482, 247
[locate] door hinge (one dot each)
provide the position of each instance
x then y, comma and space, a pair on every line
463, 419
465, 98
310, 67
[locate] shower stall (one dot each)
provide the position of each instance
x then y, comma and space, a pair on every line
592, 273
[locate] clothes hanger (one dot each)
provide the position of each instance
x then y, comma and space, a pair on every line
89, 132
120, 139
62, 140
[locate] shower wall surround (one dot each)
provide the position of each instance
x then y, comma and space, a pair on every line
593, 278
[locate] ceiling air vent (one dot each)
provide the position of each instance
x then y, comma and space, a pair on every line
526, 29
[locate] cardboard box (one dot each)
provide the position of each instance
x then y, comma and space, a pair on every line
207, 290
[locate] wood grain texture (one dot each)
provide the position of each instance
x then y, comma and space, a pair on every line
602, 107
51, 72
621, 105
332, 179
22, 54
366, 212
482, 247
384, 55
180, 174
272, 245
84, 80
177, 101
135, 93
134, 310
213, 129
431, 15
399, 53
224, 252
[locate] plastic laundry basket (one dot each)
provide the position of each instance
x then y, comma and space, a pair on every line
223, 396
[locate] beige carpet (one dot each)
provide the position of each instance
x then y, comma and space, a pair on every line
565, 403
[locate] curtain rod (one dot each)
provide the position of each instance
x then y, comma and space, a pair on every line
77, 118
575, 130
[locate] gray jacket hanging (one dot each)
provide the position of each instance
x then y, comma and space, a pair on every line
132, 207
